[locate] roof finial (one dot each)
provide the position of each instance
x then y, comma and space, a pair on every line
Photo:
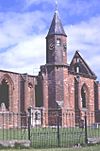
56, 5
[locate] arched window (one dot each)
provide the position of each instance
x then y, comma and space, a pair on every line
58, 42
84, 96
4, 93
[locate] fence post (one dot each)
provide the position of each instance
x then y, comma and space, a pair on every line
3, 124
86, 139
58, 134
29, 123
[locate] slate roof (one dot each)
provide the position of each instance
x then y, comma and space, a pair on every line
56, 26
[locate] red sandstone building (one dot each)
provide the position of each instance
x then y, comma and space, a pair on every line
70, 87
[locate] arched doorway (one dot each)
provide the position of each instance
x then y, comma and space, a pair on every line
4, 94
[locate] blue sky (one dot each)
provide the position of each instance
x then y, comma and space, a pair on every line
24, 25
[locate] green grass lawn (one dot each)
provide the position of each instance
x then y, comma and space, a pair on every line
48, 138
68, 137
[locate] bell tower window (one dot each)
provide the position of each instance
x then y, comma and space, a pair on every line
58, 42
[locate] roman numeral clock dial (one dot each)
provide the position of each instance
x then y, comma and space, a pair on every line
51, 44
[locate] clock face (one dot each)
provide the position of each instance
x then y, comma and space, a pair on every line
51, 44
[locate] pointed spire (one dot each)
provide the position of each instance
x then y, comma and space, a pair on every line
56, 27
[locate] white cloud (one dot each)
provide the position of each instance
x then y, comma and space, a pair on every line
16, 27
23, 38
24, 55
79, 7
85, 37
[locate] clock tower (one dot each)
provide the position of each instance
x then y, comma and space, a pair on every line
56, 42
55, 71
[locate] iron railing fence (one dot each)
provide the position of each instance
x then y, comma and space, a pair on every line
13, 126
51, 128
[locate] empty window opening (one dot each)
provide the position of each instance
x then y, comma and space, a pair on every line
58, 42
4, 93
83, 95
